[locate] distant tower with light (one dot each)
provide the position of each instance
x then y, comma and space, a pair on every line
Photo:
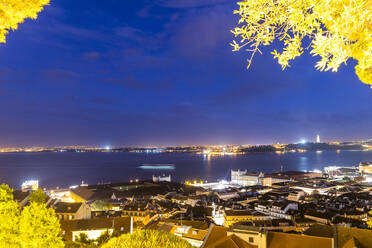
318, 139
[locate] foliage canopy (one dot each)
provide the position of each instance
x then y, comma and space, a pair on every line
38, 196
13, 12
9, 218
336, 30
147, 239
39, 227
36, 226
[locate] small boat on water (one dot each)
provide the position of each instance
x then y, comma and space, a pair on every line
157, 166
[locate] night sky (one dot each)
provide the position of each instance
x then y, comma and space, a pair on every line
162, 73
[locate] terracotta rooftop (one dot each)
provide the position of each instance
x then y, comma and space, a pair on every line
320, 231
194, 233
215, 233
67, 207
362, 237
231, 241
276, 240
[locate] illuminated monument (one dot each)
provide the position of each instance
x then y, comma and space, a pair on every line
30, 185
318, 139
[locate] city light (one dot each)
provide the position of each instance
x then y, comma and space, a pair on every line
178, 143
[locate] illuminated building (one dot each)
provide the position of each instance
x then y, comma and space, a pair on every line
72, 210
270, 180
93, 228
235, 216
339, 172
161, 178
30, 185
365, 168
277, 209
139, 212
244, 178
318, 139
316, 188
61, 194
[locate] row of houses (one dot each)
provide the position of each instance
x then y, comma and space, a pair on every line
192, 213
244, 236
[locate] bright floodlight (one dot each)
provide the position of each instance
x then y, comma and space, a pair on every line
303, 141
107, 147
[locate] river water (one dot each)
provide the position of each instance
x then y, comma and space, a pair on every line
65, 169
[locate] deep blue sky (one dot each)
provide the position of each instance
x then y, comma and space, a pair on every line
162, 72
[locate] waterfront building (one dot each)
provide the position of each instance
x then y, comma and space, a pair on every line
365, 168
270, 180
243, 178
163, 178
339, 172
30, 185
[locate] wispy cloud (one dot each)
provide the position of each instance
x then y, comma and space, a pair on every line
131, 82
103, 100
59, 74
91, 55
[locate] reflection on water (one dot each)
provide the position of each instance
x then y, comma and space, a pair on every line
64, 169
304, 165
